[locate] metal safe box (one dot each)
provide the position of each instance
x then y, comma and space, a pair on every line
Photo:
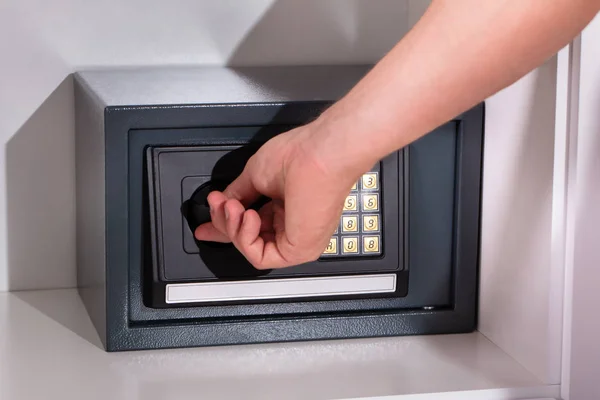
152, 143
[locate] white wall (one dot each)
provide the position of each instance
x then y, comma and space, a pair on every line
516, 279
582, 326
42, 42
49, 40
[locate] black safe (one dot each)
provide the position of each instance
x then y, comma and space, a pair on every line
151, 143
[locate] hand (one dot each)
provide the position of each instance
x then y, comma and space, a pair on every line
307, 200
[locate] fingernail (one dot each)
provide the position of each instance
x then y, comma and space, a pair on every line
226, 213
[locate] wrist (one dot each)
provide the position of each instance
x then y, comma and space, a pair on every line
342, 143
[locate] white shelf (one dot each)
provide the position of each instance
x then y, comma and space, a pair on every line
50, 349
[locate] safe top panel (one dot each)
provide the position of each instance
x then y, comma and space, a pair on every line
218, 85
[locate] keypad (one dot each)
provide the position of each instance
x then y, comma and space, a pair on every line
360, 229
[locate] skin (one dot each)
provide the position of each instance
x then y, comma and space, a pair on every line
457, 55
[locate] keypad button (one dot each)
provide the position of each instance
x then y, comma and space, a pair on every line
351, 203
355, 186
369, 181
350, 245
331, 247
350, 223
370, 202
370, 244
370, 223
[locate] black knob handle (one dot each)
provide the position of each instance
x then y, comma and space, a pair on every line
196, 210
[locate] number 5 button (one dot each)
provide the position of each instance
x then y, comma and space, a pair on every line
350, 203
370, 202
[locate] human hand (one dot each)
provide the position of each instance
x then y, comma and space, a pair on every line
307, 191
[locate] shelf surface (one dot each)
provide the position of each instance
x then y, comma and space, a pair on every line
49, 349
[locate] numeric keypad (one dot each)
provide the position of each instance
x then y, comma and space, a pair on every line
360, 230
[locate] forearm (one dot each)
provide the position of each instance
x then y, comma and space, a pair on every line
458, 54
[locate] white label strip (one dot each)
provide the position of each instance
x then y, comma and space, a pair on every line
279, 288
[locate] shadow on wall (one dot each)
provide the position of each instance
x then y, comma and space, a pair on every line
40, 166
40, 177
311, 31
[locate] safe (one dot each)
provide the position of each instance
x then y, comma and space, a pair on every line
151, 143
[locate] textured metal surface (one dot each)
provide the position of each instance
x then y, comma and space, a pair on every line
217, 85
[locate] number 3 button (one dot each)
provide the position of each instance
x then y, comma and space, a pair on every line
369, 181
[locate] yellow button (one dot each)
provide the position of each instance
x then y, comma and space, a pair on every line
350, 223
331, 247
350, 203
369, 181
370, 223
370, 202
350, 244
355, 186
371, 244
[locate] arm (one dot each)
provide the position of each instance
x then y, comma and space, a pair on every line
459, 53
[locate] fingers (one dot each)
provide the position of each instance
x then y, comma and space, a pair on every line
251, 232
261, 253
242, 189
266, 215
216, 202
234, 212
248, 231
209, 233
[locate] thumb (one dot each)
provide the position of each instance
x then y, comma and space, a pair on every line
242, 189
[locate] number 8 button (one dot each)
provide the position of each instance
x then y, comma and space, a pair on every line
371, 244
350, 223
